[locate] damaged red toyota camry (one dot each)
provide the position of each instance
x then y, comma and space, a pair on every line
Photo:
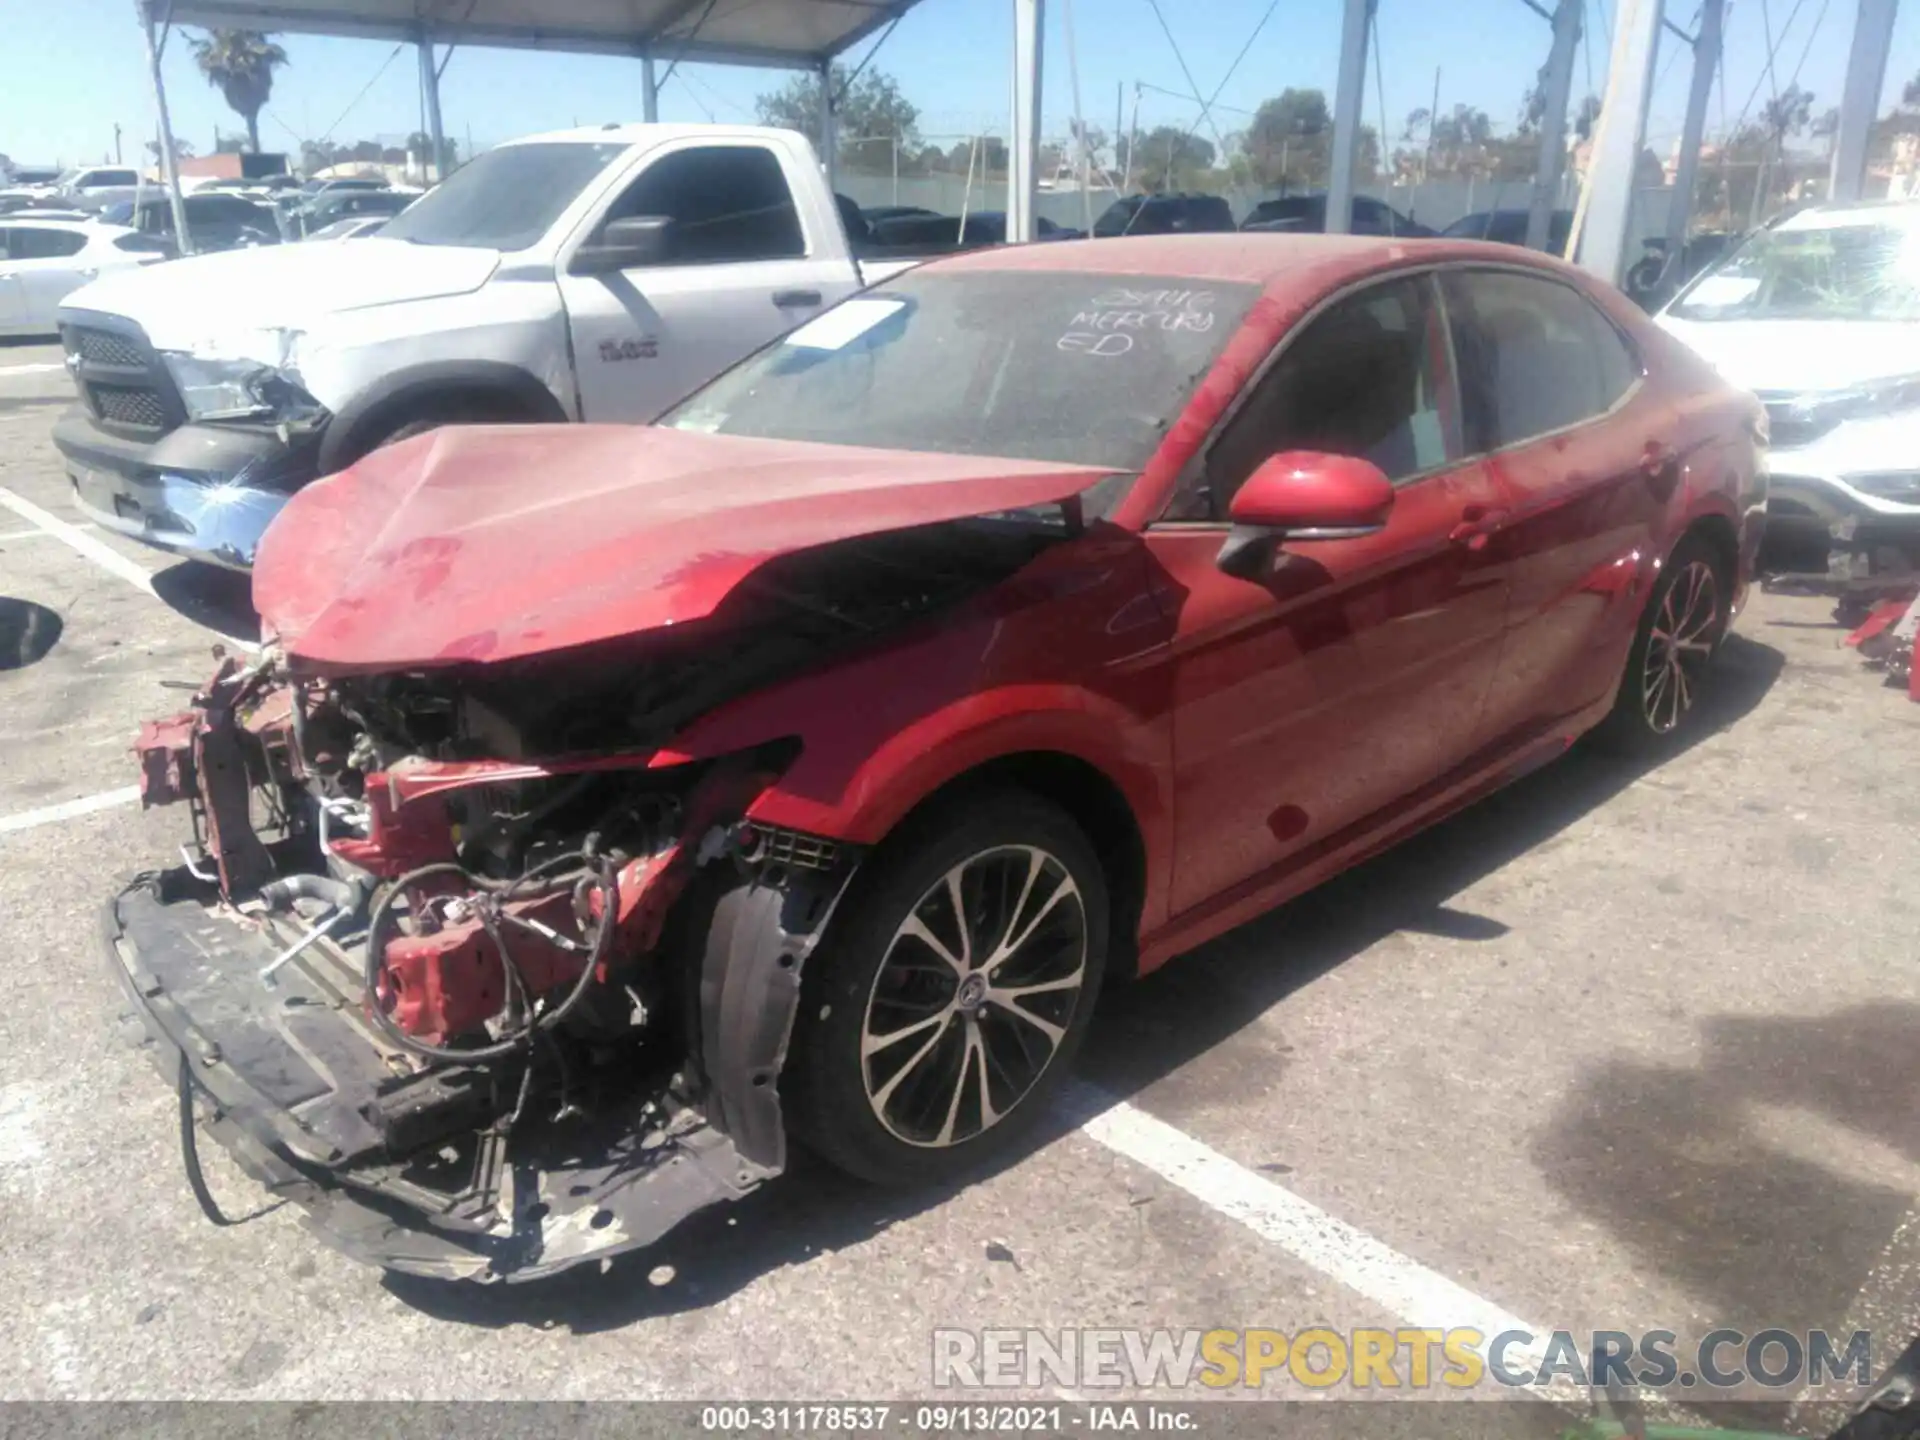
611, 809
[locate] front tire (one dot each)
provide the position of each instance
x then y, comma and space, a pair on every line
1673, 649
940, 1017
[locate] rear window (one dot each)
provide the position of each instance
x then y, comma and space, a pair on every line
26, 242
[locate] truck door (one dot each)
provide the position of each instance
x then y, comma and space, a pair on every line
744, 264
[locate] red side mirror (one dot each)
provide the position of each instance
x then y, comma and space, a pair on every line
1310, 496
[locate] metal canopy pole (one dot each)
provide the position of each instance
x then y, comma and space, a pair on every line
649, 91
1349, 97
1023, 153
1706, 64
430, 88
1557, 89
829, 125
167, 168
1860, 97
1616, 149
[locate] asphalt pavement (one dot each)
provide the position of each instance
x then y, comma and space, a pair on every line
1616, 1049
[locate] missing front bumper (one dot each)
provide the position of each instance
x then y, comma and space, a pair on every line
291, 1071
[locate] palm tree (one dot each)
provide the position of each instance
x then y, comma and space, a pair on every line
240, 64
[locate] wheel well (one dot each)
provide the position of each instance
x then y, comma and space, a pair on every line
1099, 808
1716, 531
511, 397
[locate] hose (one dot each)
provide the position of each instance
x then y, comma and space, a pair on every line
190, 1151
504, 891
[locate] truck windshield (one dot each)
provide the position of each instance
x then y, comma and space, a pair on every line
504, 200
1033, 365
1848, 271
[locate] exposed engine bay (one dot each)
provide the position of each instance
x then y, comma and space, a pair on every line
470, 965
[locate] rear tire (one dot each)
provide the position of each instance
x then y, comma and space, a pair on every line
947, 1002
1674, 645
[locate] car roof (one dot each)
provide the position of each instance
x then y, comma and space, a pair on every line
632, 133
1833, 217
85, 227
1268, 259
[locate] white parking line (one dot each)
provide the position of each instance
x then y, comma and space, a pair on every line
1376, 1271
67, 809
98, 551
38, 369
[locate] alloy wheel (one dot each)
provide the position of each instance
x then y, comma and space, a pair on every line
1679, 646
974, 996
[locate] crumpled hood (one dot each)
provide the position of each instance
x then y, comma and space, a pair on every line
478, 543
1801, 355
274, 287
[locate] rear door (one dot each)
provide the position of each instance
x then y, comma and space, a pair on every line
747, 264
12, 292
1314, 699
47, 266
1553, 394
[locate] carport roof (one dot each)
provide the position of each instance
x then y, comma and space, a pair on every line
798, 33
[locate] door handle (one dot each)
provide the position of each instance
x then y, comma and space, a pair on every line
1477, 525
793, 299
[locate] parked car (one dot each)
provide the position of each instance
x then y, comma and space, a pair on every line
42, 261
1819, 316
1509, 227
354, 227
1654, 279
981, 227
323, 210
96, 185
594, 274
27, 176
799, 768
876, 213
215, 221
1308, 214
1164, 215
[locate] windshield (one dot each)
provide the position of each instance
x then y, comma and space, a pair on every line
1033, 365
504, 200
1859, 270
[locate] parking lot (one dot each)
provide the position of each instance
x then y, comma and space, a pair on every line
1616, 1049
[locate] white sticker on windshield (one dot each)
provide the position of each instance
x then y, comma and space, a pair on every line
1724, 290
844, 324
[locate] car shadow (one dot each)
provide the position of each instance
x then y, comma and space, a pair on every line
1143, 1033
220, 600
27, 632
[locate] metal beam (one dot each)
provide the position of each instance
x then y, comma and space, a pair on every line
1706, 64
1860, 97
649, 91
1349, 98
1616, 151
430, 91
1557, 90
1023, 150
829, 125
182, 236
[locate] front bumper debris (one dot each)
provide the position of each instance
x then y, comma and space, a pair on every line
293, 1072
207, 492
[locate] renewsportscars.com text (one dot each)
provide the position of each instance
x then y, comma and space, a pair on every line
1406, 1359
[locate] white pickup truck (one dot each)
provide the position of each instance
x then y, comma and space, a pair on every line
584, 275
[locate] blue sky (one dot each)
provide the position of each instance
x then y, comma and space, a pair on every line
77, 67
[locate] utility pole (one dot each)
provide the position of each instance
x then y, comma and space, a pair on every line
1860, 97
182, 237
1706, 63
116, 143
430, 91
1349, 100
649, 91
1433, 118
1605, 213
1555, 89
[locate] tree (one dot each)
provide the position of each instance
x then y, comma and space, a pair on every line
1587, 117
240, 65
1910, 96
1170, 158
182, 149
871, 108
1289, 138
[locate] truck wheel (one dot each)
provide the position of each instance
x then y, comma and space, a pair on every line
1679, 632
937, 1021
451, 412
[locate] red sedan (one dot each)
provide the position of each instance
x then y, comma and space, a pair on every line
799, 767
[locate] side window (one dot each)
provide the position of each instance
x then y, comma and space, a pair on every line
31, 243
6, 244
1369, 378
1534, 354
727, 202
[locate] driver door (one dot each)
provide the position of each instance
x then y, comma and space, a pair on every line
741, 271
1312, 701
